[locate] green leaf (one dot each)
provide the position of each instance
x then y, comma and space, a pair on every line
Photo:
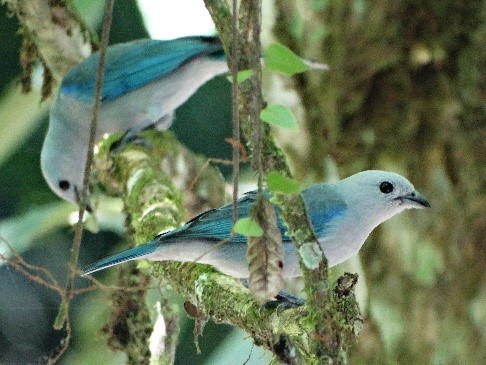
248, 227
281, 184
280, 59
244, 75
241, 76
279, 115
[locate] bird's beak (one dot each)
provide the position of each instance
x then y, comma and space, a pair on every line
89, 206
416, 200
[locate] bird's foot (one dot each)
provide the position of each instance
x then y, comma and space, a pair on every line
130, 137
283, 301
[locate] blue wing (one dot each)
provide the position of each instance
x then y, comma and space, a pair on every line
213, 225
132, 65
322, 204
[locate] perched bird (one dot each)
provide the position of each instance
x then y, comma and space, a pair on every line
144, 82
342, 215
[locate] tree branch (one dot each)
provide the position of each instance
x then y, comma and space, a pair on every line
54, 33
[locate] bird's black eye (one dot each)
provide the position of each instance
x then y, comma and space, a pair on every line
386, 187
64, 185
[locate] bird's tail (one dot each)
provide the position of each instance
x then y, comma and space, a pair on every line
128, 255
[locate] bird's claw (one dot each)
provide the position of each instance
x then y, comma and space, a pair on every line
130, 137
283, 301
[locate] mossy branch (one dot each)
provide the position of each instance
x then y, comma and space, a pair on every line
54, 33
150, 179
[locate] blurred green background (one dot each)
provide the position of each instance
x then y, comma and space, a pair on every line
406, 92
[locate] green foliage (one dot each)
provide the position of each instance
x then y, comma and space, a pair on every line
248, 227
280, 59
280, 184
241, 76
279, 115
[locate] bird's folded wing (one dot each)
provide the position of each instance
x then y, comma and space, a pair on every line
132, 65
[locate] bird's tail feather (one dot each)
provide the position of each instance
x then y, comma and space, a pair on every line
128, 255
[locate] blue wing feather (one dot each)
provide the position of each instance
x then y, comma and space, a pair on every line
322, 203
213, 225
124, 256
132, 65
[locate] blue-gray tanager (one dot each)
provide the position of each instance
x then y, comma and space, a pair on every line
342, 215
144, 82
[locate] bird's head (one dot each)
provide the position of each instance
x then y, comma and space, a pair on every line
379, 195
62, 164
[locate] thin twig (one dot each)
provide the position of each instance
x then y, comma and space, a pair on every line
18, 262
257, 87
44, 277
78, 231
62, 319
235, 51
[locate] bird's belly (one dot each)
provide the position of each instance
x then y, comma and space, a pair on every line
229, 258
152, 102
341, 248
